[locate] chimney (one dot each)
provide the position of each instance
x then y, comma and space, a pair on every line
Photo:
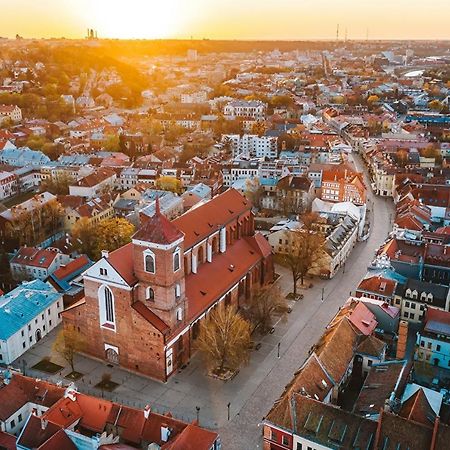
105, 254
147, 411
44, 424
402, 339
165, 432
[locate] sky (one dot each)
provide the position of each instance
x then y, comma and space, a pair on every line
227, 19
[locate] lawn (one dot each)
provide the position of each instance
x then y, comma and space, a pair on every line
47, 366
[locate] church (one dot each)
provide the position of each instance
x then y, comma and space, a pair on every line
144, 302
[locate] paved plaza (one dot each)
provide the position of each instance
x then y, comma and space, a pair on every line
252, 392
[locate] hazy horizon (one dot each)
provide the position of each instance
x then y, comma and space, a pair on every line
283, 20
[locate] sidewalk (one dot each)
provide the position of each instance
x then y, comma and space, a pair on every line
184, 390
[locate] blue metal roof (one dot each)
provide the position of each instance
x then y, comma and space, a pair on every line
23, 304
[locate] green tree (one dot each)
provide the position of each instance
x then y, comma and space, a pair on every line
112, 234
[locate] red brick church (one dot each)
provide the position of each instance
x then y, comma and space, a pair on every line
145, 301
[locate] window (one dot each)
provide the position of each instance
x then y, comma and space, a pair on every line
177, 291
438, 348
29, 327
369, 362
407, 304
429, 345
13, 424
411, 316
422, 343
103, 271
23, 333
285, 440
57, 304
42, 316
273, 435
150, 263
48, 311
31, 338
23, 344
299, 446
176, 260
50, 323
179, 314
19, 418
1, 357
150, 296
106, 306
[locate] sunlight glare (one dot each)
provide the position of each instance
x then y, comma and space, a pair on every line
135, 18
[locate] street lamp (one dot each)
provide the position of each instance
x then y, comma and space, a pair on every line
228, 408
197, 408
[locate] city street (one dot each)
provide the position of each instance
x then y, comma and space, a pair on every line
236, 408
306, 324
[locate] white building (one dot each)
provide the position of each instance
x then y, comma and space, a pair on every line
27, 314
8, 185
242, 108
36, 263
252, 145
12, 112
194, 97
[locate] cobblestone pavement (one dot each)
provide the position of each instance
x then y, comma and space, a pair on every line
252, 392
306, 325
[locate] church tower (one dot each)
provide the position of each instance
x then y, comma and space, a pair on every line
158, 248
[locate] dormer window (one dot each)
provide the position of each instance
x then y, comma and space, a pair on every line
430, 297
408, 293
149, 262
414, 294
176, 260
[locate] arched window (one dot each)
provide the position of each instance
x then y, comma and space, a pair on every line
150, 294
106, 306
149, 262
176, 260
109, 307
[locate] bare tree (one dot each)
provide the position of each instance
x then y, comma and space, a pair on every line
265, 302
306, 249
224, 339
67, 344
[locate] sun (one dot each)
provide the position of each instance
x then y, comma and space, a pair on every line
134, 19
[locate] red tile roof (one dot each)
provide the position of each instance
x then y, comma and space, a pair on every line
36, 257
158, 229
22, 390
122, 260
37, 432
378, 285
213, 280
150, 317
72, 267
363, 319
418, 409
7, 441
192, 438
58, 441
200, 222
